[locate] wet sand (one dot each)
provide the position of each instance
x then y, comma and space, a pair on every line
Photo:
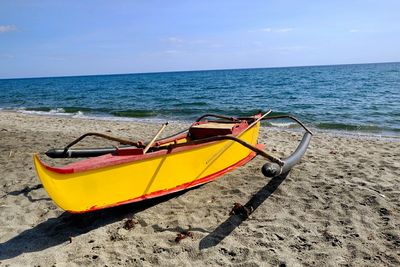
339, 207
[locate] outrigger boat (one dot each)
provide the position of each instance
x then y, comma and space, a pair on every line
134, 171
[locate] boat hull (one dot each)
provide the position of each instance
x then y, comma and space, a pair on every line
136, 178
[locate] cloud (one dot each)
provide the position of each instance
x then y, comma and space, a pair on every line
7, 28
216, 45
174, 40
291, 48
171, 52
263, 30
284, 30
273, 30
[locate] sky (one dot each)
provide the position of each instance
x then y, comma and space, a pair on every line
63, 38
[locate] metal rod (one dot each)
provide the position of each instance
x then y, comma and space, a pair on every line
79, 153
216, 116
116, 139
233, 138
272, 170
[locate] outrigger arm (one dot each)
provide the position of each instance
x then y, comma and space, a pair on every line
273, 168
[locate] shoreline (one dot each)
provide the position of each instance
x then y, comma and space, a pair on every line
339, 206
156, 121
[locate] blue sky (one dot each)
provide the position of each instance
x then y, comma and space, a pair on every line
57, 38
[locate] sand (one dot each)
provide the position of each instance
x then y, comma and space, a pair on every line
339, 207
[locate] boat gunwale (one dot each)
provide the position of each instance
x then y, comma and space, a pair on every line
104, 161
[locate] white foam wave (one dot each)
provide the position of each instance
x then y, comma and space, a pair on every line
57, 110
124, 119
82, 115
78, 114
283, 124
52, 112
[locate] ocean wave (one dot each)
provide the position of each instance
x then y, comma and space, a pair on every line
372, 129
134, 113
49, 111
191, 104
348, 127
79, 114
284, 124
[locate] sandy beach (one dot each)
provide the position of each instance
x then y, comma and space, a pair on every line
339, 207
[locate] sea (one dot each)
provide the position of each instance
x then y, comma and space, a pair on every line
357, 98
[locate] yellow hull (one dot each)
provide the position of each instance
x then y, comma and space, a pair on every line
152, 176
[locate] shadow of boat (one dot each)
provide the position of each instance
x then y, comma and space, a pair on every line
230, 224
55, 231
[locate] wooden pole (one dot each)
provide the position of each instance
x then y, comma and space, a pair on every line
154, 138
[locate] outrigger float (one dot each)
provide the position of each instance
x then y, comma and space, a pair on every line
134, 171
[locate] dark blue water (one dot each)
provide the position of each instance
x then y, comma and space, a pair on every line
362, 98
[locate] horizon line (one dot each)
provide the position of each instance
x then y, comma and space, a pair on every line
195, 70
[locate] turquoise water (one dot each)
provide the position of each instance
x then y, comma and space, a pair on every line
361, 98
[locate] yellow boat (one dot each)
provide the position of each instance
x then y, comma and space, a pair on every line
115, 176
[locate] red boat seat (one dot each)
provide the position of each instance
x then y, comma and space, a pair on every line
206, 129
